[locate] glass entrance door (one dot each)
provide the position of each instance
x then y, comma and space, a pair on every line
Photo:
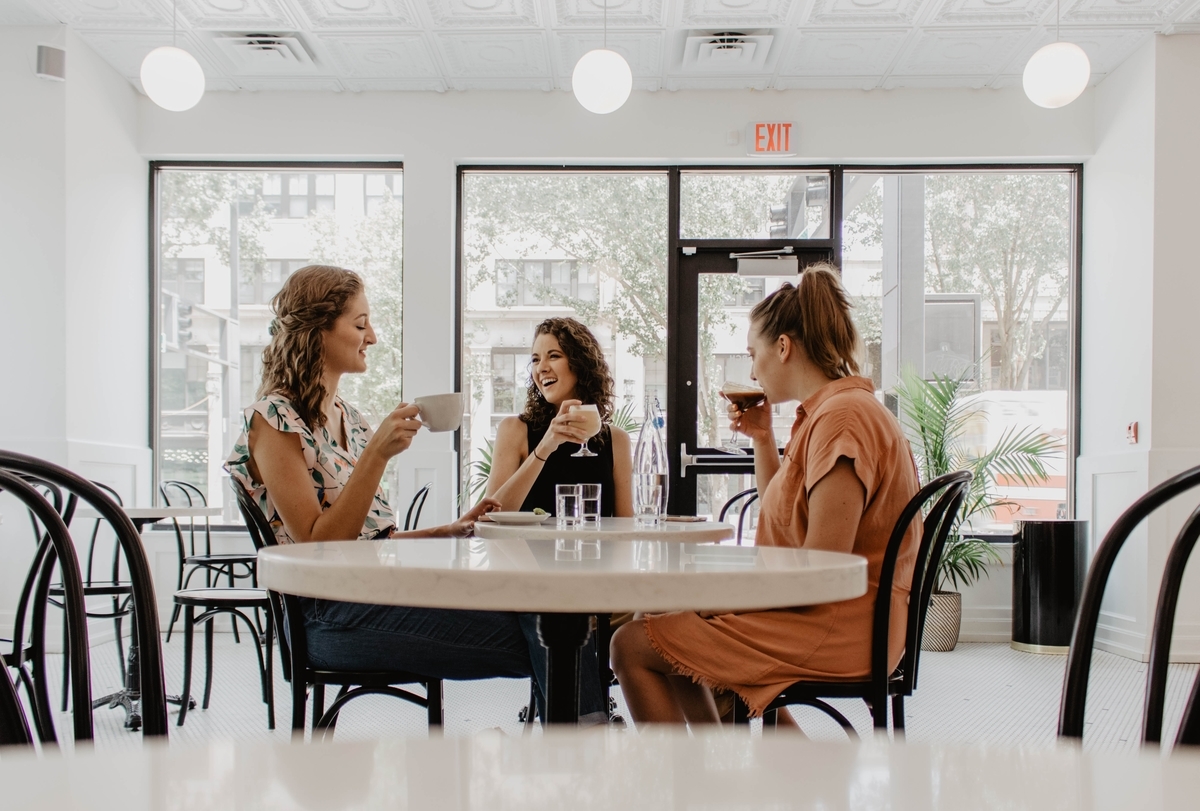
740, 236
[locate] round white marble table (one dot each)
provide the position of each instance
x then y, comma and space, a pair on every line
593, 770
610, 529
563, 581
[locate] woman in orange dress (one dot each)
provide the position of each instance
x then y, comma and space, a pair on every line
845, 476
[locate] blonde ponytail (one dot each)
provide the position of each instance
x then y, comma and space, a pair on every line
815, 315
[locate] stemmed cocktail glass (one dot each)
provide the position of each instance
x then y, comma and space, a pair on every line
588, 421
744, 397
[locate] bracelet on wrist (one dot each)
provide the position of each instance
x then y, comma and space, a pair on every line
540, 459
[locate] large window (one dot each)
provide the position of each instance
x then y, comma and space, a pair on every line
540, 244
228, 237
969, 274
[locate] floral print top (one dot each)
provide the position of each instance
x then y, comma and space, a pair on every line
329, 463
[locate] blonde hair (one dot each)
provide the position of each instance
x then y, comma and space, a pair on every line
307, 306
816, 316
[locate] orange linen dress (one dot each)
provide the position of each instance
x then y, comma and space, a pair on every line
758, 654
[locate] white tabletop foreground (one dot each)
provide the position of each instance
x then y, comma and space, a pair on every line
156, 513
569, 576
611, 529
585, 770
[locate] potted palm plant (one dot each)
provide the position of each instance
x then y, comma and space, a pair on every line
936, 415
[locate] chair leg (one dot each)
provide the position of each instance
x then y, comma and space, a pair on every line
232, 619
208, 659
66, 679
171, 624
299, 703
318, 702
189, 618
270, 671
898, 716
43, 724
433, 693
120, 644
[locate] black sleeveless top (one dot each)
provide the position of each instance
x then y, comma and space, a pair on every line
562, 468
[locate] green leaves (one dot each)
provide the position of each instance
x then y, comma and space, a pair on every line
937, 415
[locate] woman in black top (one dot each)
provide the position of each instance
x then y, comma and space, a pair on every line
533, 451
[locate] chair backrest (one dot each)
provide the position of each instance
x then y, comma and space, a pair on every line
284, 608
54, 546
153, 685
750, 497
417, 504
91, 555
936, 525
189, 495
1079, 659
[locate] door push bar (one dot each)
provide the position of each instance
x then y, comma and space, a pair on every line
702, 460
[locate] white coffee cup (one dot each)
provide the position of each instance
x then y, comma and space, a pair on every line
440, 412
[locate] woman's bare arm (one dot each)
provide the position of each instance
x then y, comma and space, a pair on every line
622, 473
280, 465
835, 508
514, 469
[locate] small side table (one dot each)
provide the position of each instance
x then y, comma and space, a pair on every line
1049, 564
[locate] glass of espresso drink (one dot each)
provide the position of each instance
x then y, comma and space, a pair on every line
743, 397
587, 419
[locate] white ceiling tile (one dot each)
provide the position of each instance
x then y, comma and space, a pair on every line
364, 14
1121, 11
125, 50
484, 13
717, 83
305, 84
826, 82
135, 14
621, 13
1106, 48
825, 52
377, 56
236, 15
485, 83
975, 12
495, 54
961, 52
407, 85
643, 52
977, 82
737, 13
25, 12
863, 12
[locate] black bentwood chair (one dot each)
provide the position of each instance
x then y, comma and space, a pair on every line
28, 657
228, 566
1079, 659
413, 516
743, 507
289, 618
901, 682
145, 686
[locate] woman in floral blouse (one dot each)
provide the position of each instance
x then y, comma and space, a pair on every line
313, 465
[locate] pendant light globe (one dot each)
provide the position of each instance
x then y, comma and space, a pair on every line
602, 81
172, 78
1056, 75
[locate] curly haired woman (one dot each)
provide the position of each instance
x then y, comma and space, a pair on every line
313, 465
534, 451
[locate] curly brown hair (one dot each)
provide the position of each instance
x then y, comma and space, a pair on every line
594, 383
307, 305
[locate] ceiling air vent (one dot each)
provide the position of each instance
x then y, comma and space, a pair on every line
725, 51
258, 54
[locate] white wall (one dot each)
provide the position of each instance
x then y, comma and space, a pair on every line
1139, 294
434, 133
74, 373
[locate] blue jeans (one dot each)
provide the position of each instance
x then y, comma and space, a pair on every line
442, 643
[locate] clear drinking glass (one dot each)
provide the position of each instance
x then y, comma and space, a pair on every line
647, 498
589, 509
567, 502
743, 397
589, 423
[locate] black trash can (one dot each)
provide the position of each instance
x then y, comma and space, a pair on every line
1049, 564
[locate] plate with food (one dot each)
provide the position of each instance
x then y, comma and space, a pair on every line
517, 519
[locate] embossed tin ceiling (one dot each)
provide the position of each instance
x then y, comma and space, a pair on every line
670, 44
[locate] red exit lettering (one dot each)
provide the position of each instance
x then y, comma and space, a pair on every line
772, 137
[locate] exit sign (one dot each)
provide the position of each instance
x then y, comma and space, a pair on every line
774, 138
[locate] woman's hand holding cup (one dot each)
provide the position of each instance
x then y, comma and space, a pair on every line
563, 428
395, 432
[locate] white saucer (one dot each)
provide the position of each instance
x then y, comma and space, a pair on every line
517, 519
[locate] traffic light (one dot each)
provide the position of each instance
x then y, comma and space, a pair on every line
778, 216
789, 220
183, 323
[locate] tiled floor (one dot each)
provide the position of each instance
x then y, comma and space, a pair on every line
978, 693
